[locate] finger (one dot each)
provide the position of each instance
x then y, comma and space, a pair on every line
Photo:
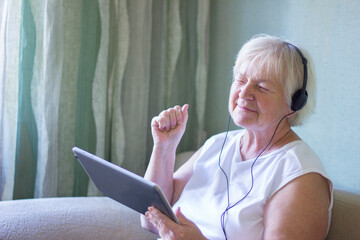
154, 122
157, 123
149, 216
160, 220
182, 219
180, 216
172, 117
164, 121
179, 116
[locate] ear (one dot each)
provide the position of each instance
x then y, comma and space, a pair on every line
290, 113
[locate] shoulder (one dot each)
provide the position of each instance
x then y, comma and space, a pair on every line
307, 160
299, 210
292, 161
300, 150
302, 199
298, 158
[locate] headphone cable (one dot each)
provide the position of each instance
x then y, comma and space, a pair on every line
222, 218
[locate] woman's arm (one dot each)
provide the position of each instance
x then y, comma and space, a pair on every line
167, 130
299, 210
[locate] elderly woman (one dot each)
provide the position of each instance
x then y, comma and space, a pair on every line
260, 182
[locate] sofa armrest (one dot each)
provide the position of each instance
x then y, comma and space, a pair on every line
69, 218
345, 221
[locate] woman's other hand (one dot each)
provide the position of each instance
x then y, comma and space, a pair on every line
168, 128
169, 230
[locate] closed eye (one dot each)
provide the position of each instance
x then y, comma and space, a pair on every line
241, 80
265, 85
264, 88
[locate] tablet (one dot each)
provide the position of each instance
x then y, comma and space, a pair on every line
122, 185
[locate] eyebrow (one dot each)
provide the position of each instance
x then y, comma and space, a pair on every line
256, 79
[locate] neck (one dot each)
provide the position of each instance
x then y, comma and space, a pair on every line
253, 142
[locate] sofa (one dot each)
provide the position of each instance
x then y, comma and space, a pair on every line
103, 218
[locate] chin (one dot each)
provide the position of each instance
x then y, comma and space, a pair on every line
240, 121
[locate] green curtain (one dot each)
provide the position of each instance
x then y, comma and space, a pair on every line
92, 74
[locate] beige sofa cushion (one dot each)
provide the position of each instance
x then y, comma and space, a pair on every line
345, 221
78, 218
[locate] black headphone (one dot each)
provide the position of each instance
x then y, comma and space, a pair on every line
300, 97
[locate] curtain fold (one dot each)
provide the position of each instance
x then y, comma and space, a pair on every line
68, 96
26, 152
45, 91
202, 30
9, 87
93, 73
85, 136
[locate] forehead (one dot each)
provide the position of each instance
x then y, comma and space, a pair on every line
256, 72
263, 62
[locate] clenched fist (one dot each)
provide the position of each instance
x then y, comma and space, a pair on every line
168, 128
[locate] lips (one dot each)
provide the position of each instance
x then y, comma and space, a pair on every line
245, 107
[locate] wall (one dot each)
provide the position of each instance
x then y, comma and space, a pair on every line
330, 31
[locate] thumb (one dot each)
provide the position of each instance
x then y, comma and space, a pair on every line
182, 219
185, 113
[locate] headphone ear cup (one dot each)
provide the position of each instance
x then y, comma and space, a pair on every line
299, 100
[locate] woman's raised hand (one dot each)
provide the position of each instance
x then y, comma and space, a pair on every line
168, 128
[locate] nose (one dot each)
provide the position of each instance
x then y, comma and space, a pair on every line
246, 91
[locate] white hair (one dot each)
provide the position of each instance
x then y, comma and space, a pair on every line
272, 56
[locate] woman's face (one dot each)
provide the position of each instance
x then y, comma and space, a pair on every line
256, 101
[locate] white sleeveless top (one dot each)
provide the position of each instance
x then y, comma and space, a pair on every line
204, 198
